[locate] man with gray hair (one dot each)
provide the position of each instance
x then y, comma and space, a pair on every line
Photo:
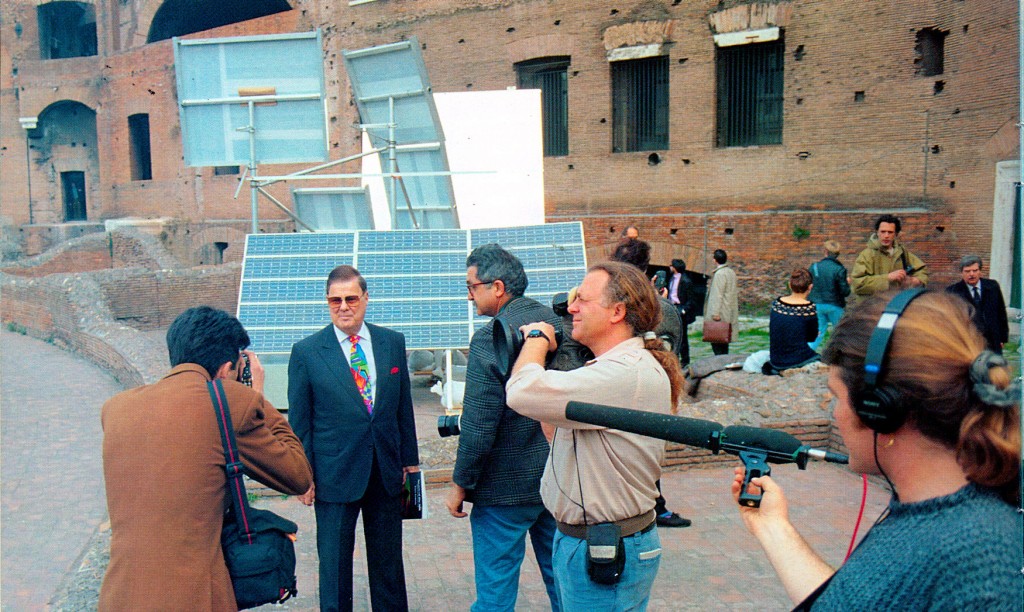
829, 288
501, 453
986, 296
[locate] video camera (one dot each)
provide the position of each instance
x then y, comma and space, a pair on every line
508, 341
449, 425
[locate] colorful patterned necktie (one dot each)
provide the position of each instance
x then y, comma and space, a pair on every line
361, 372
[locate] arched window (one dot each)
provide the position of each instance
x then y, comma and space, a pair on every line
181, 17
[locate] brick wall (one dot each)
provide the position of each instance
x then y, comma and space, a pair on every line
103, 314
925, 147
148, 300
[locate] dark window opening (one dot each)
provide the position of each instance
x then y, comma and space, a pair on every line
750, 82
66, 29
225, 170
930, 51
550, 76
181, 17
73, 185
640, 104
138, 136
221, 247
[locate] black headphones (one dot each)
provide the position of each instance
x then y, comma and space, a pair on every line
880, 406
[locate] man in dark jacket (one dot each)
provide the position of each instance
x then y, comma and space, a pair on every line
501, 453
680, 292
987, 298
829, 290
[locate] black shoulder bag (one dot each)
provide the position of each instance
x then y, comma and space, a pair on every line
259, 546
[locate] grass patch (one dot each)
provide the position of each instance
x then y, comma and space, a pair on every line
17, 328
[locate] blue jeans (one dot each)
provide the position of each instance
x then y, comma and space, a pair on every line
499, 544
827, 313
578, 592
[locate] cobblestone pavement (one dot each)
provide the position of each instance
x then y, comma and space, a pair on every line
55, 535
51, 477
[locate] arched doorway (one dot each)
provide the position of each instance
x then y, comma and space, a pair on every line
64, 161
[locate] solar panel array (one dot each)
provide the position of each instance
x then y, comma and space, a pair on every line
416, 279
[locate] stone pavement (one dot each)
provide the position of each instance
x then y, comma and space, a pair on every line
51, 477
55, 534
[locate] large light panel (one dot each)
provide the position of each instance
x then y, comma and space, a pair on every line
390, 83
334, 208
215, 79
416, 279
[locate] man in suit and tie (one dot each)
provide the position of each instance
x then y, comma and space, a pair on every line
350, 404
987, 298
680, 293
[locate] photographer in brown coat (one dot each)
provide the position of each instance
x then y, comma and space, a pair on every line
163, 463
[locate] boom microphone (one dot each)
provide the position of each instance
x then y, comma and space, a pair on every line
684, 430
755, 446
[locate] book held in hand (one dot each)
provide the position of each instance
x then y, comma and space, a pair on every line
414, 500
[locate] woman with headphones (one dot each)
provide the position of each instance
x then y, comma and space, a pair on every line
920, 401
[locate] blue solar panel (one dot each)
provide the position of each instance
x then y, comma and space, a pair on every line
415, 279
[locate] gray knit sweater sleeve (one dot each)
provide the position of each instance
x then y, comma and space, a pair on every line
963, 551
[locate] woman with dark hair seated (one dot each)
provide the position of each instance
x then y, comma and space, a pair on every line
921, 401
792, 323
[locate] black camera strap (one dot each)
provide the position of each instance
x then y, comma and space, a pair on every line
579, 478
232, 461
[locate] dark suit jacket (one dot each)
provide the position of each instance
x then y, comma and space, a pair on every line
687, 298
990, 317
501, 454
329, 417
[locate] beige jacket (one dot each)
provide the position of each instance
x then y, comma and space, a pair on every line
723, 299
618, 469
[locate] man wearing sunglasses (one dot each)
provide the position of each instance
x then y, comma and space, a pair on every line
350, 403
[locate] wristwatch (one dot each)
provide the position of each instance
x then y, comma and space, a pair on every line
536, 333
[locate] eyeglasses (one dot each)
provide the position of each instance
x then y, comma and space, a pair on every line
351, 300
471, 286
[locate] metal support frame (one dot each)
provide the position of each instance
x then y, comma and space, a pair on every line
257, 183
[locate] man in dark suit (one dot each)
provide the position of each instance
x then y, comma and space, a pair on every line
680, 293
987, 298
350, 404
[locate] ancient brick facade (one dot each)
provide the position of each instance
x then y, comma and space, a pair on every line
863, 130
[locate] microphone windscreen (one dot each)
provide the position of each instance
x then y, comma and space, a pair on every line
684, 430
758, 437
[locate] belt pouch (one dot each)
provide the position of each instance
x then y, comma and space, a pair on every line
606, 554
